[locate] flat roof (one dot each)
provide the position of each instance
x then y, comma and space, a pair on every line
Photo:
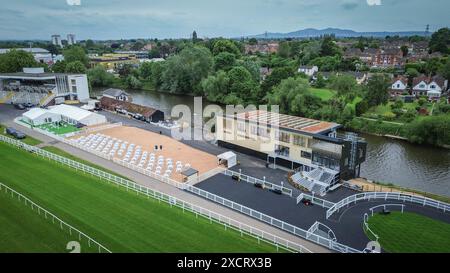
300, 124
23, 75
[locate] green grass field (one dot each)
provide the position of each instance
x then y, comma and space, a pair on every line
25, 231
411, 233
59, 130
28, 140
122, 221
323, 93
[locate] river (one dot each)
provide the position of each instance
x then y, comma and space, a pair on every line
398, 162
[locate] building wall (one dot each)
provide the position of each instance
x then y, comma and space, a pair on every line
234, 134
80, 88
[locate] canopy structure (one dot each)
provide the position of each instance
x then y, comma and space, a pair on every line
190, 175
74, 115
229, 159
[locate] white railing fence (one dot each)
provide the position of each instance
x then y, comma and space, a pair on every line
253, 180
423, 201
372, 211
242, 228
63, 225
315, 200
318, 225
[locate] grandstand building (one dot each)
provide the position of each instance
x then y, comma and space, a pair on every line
40, 55
311, 148
35, 86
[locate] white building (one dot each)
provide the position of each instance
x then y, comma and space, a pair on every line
56, 40
117, 94
40, 55
56, 86
433, 87
308, 70
71, 40
70, 114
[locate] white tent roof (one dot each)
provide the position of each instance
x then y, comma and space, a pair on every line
34, 113
72, 112
227, 156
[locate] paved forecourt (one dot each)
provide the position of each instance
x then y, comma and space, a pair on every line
170, 190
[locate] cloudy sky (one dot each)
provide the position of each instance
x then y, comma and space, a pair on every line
114, 19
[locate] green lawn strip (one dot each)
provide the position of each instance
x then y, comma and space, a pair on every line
59, 130
25, 231
323, 93
28, 140
411, 233
60, 152
122, 221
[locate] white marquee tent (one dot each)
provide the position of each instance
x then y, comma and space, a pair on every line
75, 115
38, 116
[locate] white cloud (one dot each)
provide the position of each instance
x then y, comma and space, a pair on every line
73, 2
374, 2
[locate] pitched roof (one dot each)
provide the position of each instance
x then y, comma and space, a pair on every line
404, 80
420, 79
114, 92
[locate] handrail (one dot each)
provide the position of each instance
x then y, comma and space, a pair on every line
46, 212
424, 201
254, 180
129, 185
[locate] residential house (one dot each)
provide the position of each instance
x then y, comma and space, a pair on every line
399, 86
268, 48
432, 87
308, 70
352, 53
264, 72
117, 94
389, 58
369, 56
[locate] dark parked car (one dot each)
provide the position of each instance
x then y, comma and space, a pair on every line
13, 132
19, 106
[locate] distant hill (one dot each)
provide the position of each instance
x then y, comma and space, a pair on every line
312, 32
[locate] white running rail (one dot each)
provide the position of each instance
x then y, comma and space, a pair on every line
173, 201
54, 218
395, 196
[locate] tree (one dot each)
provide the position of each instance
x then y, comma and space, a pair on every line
194, 37
284, 50
293, 96
125, 70
329, 47
16, 60
224, 61
154, 53
377, 90
224, 45
59, 67
253, 41
184, 72
361, 108
432, 66
90, 43
445, 70
344, 84
431, 130
254, 67
76, 53
145, 70
75, 67
242, 84
53, 49
99, 77
404, 50
216, 87
440, 41
132, 82
278, 74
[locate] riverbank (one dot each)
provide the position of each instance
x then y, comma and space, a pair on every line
398, 131
369, 186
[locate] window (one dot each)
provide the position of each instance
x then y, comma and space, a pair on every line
73, 82
433, 86
282, 150
306, 155
241, 127
285, 137
299, 141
